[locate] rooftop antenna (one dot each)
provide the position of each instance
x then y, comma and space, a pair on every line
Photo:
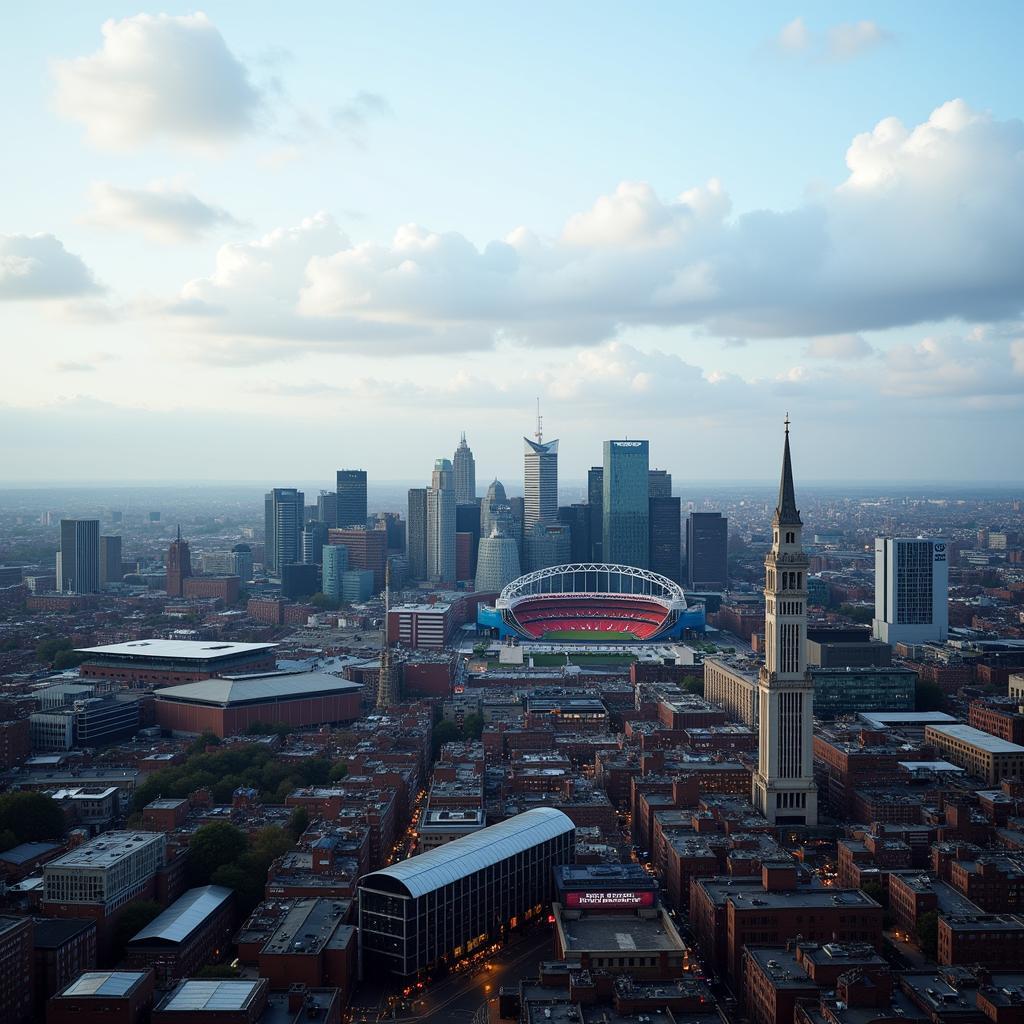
540, 425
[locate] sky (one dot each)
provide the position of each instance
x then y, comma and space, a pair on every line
259, 242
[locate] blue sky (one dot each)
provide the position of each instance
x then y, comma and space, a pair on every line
653, 219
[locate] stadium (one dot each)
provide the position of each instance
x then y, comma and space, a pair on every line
591, 602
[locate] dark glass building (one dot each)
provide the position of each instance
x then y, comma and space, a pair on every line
665, 522
449, 902
351, 497
707, 551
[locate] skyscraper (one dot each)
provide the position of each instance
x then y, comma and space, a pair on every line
110, 559
284, 509
351, 497
665, 524
547, 544
659, 483
441, 524
577, 518
497, 563
314, 537
467, 520
179, 566
416, 533
595, 499
335, 562
911, 590
783, 789
707, 551
495, 496
327, 508
625, 503
78, 560
540, 479
464, 467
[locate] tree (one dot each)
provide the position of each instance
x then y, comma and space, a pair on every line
47, 650
132, 919
321, 600
694, 686
444, 732
68, 659
473, 726
212, 847
927, 933
928, 696
298, 822
31, 817
338, 771
857, 612
876, 891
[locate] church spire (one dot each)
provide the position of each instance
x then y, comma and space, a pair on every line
786, 512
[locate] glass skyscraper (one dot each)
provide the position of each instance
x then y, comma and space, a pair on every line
351, 497
540, 477
464, 466
441, 524
282, 543
625, 503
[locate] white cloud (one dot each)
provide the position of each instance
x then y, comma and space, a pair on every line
840, 42
39, 267
162, 210
853, 38
838, 347
794, 37
158, 77
928, 226
351, 119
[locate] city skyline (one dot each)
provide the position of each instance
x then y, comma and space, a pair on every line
687, 262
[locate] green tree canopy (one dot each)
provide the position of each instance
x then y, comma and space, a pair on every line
444, 732
473, 726
298, 823
132, 919
32, 817
928, 696
212, 847
927, 933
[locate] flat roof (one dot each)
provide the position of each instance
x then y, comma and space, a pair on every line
104, 983
983, 740
183, 916
194, 650
210, 995
256, 689
883, 718
106, 849
626, 933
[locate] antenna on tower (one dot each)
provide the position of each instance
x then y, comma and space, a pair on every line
540, 425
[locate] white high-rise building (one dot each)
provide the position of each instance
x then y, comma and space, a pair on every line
464, 466
783, 789
441, 524
497, 562
911, 590
540, 483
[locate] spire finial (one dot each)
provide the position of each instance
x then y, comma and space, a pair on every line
179, 533
540, 424
787, 421
786, 511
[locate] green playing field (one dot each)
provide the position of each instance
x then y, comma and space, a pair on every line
586, 634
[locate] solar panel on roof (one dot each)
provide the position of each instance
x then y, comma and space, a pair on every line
102, 983
210, 995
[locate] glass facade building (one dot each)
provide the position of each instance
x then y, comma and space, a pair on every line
625, 539
447, 903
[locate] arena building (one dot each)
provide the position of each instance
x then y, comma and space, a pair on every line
229, 705
592, 603
165, 662
445, 904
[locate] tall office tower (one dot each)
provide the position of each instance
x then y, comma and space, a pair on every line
394, 526
282, 544
625, 506
783, 789
441, 524
495, 496
464, 466
467, 520
911, 590
577, 518
179, 566
517, 516
547, 544
110, 559
416, 533
241, 562
497, 563
78, 560
314, 537
659, 483
351, 497
367, 550
327, 508
540, 479
388, 688
707, 551
595, 499
664, 519
335, 565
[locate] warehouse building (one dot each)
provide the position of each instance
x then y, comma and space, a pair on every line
446, 904
165, 662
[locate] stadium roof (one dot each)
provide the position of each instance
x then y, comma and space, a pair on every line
642, 583
468, 854
192, 650
183, 916
257, 689
104, 983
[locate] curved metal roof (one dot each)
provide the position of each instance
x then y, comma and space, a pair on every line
464, 856
183, 916
643, 582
